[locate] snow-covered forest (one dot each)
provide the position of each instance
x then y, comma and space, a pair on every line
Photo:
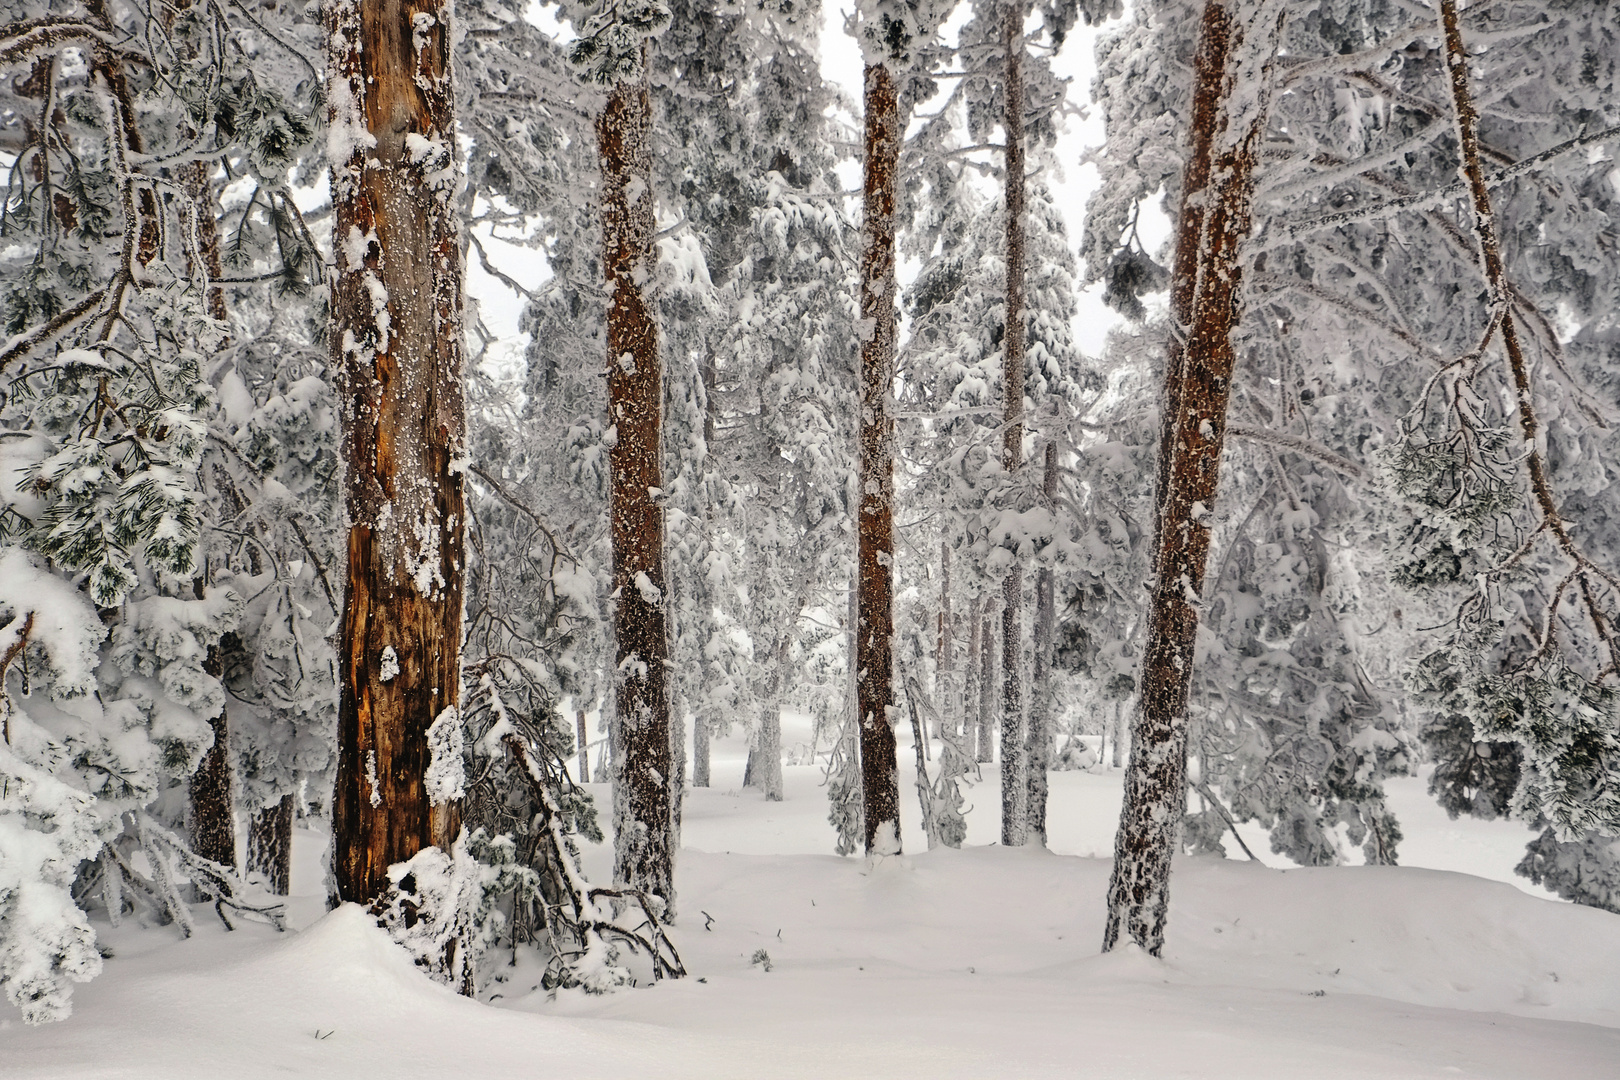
971, 538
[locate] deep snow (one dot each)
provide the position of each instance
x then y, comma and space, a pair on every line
978, 963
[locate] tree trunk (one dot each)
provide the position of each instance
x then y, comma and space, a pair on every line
1237, 42
1039, 745
987, 686
945, 663
270, 845
880, 775
1119, 733
1014, 758
644, 767
970, 689
700, 752
396, 340
583, 737
211, 816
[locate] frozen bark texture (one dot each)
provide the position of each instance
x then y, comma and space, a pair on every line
1014, 756
1236, 45
1038, 746
396, 342
270, 845
210, 816
643, 759
874, 672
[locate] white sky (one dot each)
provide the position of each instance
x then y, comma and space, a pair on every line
1071, 183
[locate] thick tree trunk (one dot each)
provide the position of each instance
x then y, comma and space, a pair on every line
211, 818
1039, 745
1237, 41
270, 845
880, 775
1014, 757
987, 686
396, 342
644, 767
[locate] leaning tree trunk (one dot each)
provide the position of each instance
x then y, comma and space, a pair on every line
880, 773
1014, 759
396, 339
270, 845
643, 759
1038, 748
1237, 42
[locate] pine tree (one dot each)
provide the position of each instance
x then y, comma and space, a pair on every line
396, 338
1236, 49
113, 304
611, 52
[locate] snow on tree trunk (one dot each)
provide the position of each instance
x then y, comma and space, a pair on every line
1038, 748
1119, 734
396, 341
987, 686
1014, 759
582, 735
970, 689
210, 810
700, 752
270, 845
1237, 42
880, 776
945, 663
644, 766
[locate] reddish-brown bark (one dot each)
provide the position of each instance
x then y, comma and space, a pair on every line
397, 346
643, 761
1206, 300
874, 672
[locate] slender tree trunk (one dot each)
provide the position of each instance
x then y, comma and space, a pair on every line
396, 342
270, 845
945, 663
987, 686
1014, 758
970, 689
700, 752
1237, 42
1119, 734
644, 766
583, 737
1039, 750
880, 775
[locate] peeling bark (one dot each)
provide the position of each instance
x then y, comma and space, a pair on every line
880, 775
396, 342
1237, 43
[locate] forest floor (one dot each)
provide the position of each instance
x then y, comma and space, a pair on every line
974, 963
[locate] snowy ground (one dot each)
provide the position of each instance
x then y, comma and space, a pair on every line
978, 963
